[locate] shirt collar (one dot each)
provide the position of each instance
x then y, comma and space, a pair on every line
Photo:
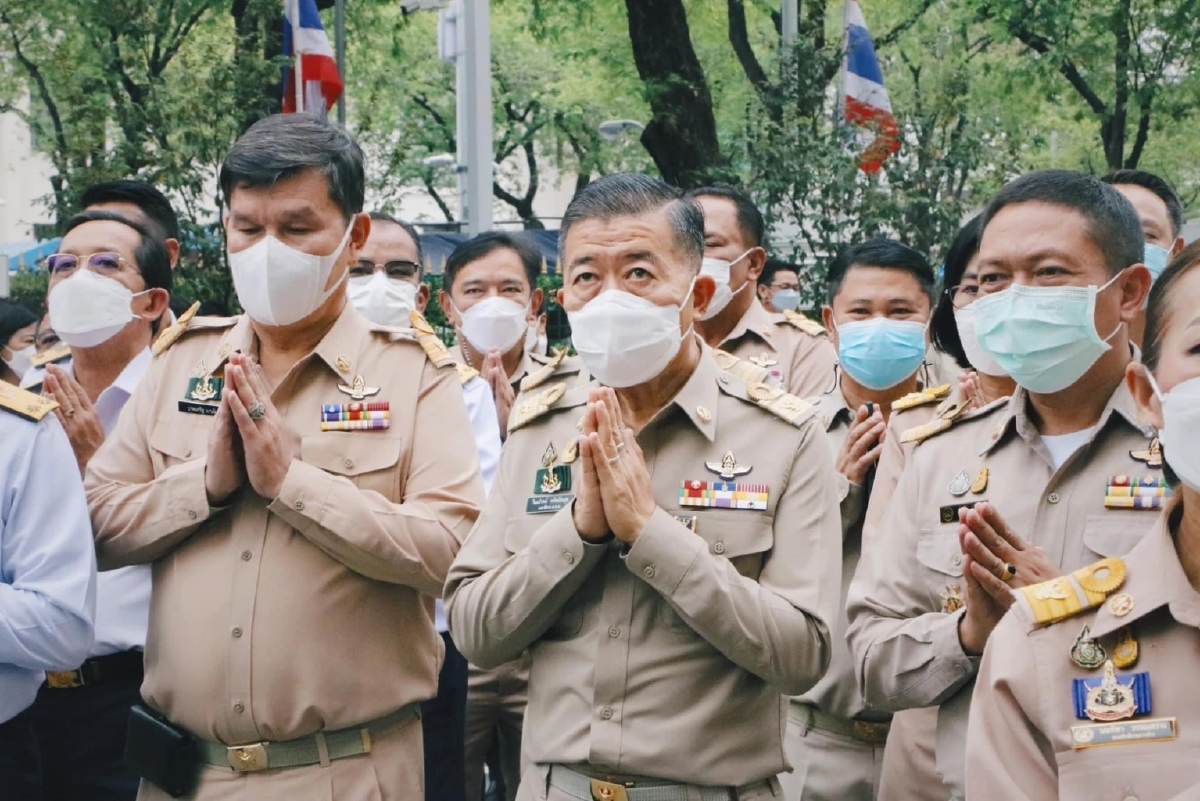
697, 399
833, 408
338, 349
758, 321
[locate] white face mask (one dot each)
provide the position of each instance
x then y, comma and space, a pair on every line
21, 360
1180, 433
89, 309
534, 342
494, 322
383, 300
279, 285
719, 270
625, 340
979, 358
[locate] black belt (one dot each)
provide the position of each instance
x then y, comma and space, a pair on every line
125, 666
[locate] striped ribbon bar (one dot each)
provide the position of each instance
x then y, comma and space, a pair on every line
1138, 492
1137, 481
1139, 502
724, 495
370, 406
354, 425
333, 416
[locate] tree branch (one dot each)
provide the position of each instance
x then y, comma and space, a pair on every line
1042, 46
157, 66
60, 136
739, 37
435, 115
895, 33
427, 181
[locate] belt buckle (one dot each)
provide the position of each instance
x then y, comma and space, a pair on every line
871, 732
246, 758
64, 679
607, 791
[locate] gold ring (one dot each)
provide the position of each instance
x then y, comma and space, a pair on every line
1008, 572
69, 412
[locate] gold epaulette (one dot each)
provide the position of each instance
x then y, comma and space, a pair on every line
539, 376
780, 403
810, 327
943, 422
429, 341
51, 356
174, 331
746, 371
465, 373
1065, 596
534, 406
25, 404
922, 398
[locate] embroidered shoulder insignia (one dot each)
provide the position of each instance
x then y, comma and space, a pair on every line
428, 339
56, 354
779, 403
465, 373
943, 422
810, 327
540, 375
746, 371
1067, 596
531, 407
174, 331
922, 398
25, 404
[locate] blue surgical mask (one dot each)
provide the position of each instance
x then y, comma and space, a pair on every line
1156, 259
786, 300
880, 353
1044, 337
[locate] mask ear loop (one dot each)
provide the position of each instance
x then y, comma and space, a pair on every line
1111, 281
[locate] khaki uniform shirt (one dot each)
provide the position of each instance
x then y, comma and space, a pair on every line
905, 600
795, 350
273, 618
1025, 739
666, 659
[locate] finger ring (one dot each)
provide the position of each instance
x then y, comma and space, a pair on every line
69, 412
258, 411
614, 459
1008, 572
620, 446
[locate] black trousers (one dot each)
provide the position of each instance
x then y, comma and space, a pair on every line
80, 736
20, 769
443, 723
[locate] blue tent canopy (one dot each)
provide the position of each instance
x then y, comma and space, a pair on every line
28, 255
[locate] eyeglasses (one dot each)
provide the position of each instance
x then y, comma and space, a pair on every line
401, 268
786, 287
963, 296
102, 263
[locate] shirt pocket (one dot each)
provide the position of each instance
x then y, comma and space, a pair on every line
571, 616
1114, 534
1158, 770
939, 553
369, 460
171, 444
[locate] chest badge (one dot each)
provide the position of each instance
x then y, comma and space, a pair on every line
979, 485
961, 484
728, 468
552, 478
1087, 653
358, 389
1151, 457
1136, 492
1111, 698
370, 416
724, 495
1125, 655
763, 361
952, 599
203, 391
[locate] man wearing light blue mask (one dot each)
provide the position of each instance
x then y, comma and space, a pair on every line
880, 295
1022, 490
1161, 213
779, 286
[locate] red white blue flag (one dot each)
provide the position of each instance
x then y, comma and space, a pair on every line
308, 50
865, 100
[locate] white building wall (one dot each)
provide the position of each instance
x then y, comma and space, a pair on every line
24, 181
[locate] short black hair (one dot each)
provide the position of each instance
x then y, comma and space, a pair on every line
886, 253
629, 194
1155, 184
481, 245
14, 317
147, 198
282, 146
773, 266
153, 260
409, 228
1158, 307
750, 219
943, 329
1112, 222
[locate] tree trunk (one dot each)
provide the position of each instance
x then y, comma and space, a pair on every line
681, 136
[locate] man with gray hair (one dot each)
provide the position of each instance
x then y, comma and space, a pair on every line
300, 479
664, 609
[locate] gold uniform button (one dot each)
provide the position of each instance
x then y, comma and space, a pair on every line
1054, 497
343, 363
704, 414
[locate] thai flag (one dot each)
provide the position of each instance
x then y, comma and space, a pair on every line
865, 101
303, 33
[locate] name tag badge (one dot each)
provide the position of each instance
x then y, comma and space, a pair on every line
192, 407
547, 504
1133, 731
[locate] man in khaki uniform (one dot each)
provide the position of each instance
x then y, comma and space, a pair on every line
792, 348
663, 612
1041, 461
834, 739
300, 481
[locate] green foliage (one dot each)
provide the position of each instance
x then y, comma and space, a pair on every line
28, 287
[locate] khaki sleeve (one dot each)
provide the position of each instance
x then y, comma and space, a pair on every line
1007, 755
138, 517
777, 627
498, 602
904, 654
887, 475
813, 367
413, 542
852, 506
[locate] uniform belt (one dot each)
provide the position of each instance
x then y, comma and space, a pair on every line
585, 788
125, 666
304, 750
865, 731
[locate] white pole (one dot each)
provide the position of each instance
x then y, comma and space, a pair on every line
460, 108
791, 21
299, 70
478, 118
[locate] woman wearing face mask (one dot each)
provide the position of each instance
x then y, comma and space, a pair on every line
1037, 715
17, 327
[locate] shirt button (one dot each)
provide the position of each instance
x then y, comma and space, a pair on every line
568, 557
718, 547
188, 454
1054, 497
192, 514
648, 571
614, 631
957, 560
299, 506
246, 556
349, 463
237, 632
239, 707
606, 713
